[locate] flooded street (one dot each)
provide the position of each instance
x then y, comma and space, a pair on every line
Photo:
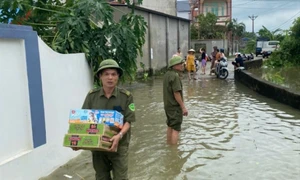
231, 133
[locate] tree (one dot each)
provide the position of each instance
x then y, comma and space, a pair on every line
206, 24
236, 30
87, 26
251, 42
287, 55
271, 35
194, 31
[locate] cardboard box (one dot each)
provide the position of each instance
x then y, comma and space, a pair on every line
88, 142
85, 128
110, 117
84, 116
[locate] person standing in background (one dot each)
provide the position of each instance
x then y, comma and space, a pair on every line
178, 53
173, 99
190, 64
204, 58
213, 55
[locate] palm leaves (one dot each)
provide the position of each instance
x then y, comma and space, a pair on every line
272, 35
236, 30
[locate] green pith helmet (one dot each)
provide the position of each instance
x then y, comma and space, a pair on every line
175, 60
110, 64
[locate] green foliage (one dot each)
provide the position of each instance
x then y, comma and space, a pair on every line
271, 35
295, 29
251, 43
250, 46
194, 31
274, 77
145, 74
250, 35
206, 27
87, 26
237, 29
287, 55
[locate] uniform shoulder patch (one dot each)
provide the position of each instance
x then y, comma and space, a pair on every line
94, 90
124, 91
132, 107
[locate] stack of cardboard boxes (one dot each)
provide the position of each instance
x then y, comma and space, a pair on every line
92, 129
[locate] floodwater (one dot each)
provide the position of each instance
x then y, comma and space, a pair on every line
231, 133
286, 77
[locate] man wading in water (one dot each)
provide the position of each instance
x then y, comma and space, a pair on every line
111, 97
173, 99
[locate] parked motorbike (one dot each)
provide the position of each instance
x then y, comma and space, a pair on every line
251, 56
221, 69
244, 57
247, 57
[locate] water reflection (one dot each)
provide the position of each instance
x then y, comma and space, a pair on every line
287, 77
231, 133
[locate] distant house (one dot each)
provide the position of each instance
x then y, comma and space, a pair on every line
221, 8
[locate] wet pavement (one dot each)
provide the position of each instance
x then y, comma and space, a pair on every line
231, 133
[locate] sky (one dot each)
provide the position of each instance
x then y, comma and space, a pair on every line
272, 14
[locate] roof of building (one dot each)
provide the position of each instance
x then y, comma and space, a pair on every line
152, 11
183, 6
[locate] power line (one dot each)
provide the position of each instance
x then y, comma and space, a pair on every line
273, 7
292, 18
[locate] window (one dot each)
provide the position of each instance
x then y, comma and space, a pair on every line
214, 9
273, 43
222, 10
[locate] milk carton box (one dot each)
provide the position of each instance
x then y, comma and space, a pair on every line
111, 118
84, 116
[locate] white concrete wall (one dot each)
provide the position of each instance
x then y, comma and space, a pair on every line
15, 123
66, 79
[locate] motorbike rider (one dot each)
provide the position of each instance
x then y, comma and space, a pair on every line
239, 62
222, 57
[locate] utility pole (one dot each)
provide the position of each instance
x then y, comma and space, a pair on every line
252, 18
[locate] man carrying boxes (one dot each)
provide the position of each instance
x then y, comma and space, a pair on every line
111, 97
94, 134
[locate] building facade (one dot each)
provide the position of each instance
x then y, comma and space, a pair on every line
221, 8
192, 8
